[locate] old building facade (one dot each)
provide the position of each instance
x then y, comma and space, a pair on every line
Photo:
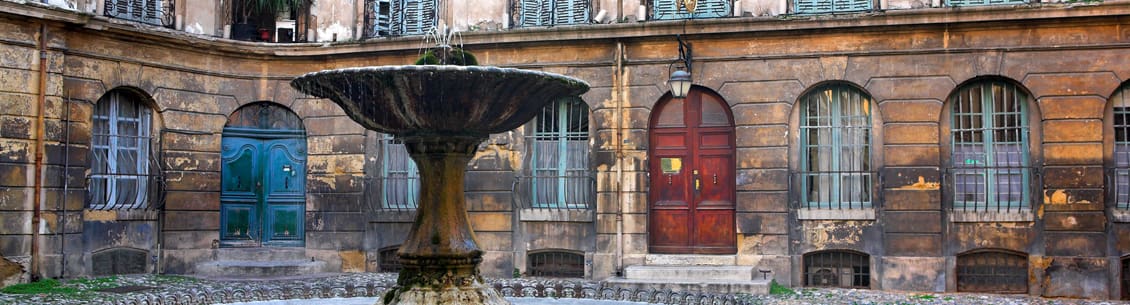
898, 144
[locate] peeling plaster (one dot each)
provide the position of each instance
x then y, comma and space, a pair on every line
194, 28
91, 215
821, 234
921, 185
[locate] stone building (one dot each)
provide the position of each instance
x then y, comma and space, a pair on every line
957, 145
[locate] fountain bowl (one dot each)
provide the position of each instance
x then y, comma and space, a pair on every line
439, 99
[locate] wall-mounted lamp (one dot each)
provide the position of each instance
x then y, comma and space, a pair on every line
681, 80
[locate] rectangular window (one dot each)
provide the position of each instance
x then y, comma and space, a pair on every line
836, 149
830, 6
559, 155
552, 12
144, 11
989, 156
681, 9
983, 2
119, 168
377, 18
1121, 171
411, 17
400, 180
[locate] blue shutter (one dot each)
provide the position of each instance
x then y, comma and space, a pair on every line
831, 6
983, 2
533, 12
419, 16
570, 12
144, 11
670, 9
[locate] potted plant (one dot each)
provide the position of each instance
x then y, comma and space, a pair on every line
252, 15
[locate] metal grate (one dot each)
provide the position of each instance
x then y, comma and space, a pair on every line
837, 269
995, 271
1126, 278
836, 149
396, 185
124, 170
558, 174
154, 12
989, 168
1119, 174
389, 261
556, 263
556, 192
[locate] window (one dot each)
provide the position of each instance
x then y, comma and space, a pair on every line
555, 263
837, 269
155, 12
120, 147
1126, 278
983, 2
995, 271
410, 17
989, 152
552, 12
400, 180
376, 18
1121, 170
559, 157
389, 259
835, 137
681, 9
830, 6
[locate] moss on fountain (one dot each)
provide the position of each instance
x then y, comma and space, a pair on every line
447, 55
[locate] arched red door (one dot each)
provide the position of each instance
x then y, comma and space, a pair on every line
691, 161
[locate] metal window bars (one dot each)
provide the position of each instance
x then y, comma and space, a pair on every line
377, 14
1002, 189
1126, 278
837, 189
576, 190
1118, 184
995, 271
989, 167
153, 12
389, 259
833, 268
555, 263
127, 191
397, 187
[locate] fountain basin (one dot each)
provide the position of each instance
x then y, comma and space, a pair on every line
368, 301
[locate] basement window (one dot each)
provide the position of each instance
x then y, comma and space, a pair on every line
1126, 278
847, 269
992, 271
556, 263
389, 261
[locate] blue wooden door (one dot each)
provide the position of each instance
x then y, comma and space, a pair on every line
262, 199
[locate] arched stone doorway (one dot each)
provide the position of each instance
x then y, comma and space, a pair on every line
263, 193
691, 161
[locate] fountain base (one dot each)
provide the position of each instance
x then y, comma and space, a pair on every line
475, 293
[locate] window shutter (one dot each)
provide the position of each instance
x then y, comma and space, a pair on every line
983, 2
570, 12
833, 6
670, 9
419, 16
533, 12
851, 5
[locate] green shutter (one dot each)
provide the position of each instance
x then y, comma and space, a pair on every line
570, 12
670, 9
533, 12
831, 6
983, 2
412, 17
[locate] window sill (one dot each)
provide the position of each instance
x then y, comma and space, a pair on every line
987, 216
836, 214
552, 215
1120, 215
119, 215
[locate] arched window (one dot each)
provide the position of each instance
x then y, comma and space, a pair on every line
400, 179
837, 269
559, 157
555, 263
121, 160
995, 271
989, 150
1120, 171
835, 148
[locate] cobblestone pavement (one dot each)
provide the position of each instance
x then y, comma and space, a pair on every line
162, 289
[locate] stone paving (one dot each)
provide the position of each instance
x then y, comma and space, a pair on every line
188, 290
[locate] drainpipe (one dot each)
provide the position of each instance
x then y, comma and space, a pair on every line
619, 184
66, 188
38, 188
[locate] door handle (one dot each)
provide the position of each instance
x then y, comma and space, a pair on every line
697, 181
715, 178
668, 179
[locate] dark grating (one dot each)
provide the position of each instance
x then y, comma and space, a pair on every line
389, 260
992, 271
837, 269
1126, 278
556, 264
125, 289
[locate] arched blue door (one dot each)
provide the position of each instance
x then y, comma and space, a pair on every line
263, 193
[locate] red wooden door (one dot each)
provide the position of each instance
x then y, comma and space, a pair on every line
691, 163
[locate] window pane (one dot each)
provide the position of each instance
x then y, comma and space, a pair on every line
119, 153
836, 137
989, 138
559, 154
713, 113
401, 183
1121, 171
672, 114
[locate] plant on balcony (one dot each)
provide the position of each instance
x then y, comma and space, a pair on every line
243, 29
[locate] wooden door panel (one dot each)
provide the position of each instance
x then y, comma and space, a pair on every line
717, 177
718, 228
670, 228
285, 174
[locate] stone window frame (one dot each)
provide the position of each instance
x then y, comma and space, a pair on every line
1032, 151
144, 169
541, 13
797, 189
1117, 163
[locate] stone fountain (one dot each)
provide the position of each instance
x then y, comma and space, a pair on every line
441, 113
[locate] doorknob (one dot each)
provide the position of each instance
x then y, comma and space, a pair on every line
697, 182
715, 178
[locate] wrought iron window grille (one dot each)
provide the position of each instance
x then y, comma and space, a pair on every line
396, 187
857, 189
837, 268
557, 174
569, 192
556, 263
389, 260
989, 168
152, 12
125, 168
992, 270
1125, 275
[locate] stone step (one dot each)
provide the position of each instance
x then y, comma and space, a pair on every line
237, 269
753, 287
690, 260
690, 273
261, 254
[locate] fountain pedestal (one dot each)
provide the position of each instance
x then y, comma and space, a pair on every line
441, 113
440, 258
